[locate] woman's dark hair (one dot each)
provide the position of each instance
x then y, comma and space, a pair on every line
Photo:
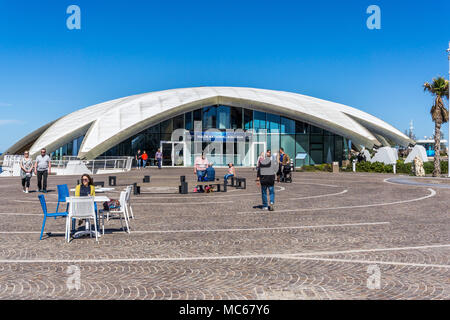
91, 181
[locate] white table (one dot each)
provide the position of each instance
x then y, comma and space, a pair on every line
98, 190
97, 199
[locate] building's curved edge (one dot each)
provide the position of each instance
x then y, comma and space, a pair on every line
27, 141
367, 130
229, 101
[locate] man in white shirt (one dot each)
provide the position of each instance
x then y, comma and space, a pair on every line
42, 168
200, 165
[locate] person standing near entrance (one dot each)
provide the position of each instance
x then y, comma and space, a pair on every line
158, 158
266, 179
144, 159
138, 158
26, 170
42, 168
281, 160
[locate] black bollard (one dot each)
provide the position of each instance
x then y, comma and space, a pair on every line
136, 189
112, 181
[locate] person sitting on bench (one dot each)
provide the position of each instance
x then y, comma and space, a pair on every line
231, 172
200, 166
210, 176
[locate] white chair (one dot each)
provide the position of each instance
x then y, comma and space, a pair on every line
81, 208
122, 211
128, 190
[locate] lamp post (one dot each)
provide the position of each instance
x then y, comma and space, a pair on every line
448, 137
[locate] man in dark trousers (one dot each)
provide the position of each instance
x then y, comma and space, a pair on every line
268, 169
42, 168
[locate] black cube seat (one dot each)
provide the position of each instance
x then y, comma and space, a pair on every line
112, 181
99, 184
241, 183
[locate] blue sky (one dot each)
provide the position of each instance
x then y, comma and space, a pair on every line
317, 48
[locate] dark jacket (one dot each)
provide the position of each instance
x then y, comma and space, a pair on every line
268, 169
210, 174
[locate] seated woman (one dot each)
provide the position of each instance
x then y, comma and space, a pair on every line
231, 172
86, 188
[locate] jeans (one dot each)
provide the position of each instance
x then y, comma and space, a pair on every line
228, 176
42, 175
138, 163
159, 163
144, 163
264, 194
26, 182
201, 175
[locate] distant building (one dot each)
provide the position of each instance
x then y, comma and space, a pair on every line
311, 130
428, 144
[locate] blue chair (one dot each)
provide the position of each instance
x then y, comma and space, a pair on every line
46, 214
63, 193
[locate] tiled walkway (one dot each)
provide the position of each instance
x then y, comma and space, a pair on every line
329, 237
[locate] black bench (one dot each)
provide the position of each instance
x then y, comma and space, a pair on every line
213, 183
238, 183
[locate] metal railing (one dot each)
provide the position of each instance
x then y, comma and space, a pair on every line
10, 166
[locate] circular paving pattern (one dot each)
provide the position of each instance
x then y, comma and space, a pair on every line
329, 236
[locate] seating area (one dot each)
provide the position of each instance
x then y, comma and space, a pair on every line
87, 209
218, 186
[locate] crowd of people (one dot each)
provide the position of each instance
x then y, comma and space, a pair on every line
268, 168
142, 158
41, 167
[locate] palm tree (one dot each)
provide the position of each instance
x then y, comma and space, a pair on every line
439, 89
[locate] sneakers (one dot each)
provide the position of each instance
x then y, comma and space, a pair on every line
265, 208
271, 207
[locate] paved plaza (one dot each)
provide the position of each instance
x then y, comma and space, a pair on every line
331, 236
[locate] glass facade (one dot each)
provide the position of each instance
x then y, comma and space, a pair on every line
70, 149
249, 130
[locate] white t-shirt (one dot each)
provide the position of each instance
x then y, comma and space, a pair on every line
201, 164
42, 162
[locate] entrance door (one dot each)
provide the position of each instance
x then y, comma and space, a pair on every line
173, 153
257, 148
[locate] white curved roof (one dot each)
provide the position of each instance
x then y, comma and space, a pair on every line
109, 123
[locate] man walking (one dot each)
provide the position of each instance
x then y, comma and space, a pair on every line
268, 170
42, 168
